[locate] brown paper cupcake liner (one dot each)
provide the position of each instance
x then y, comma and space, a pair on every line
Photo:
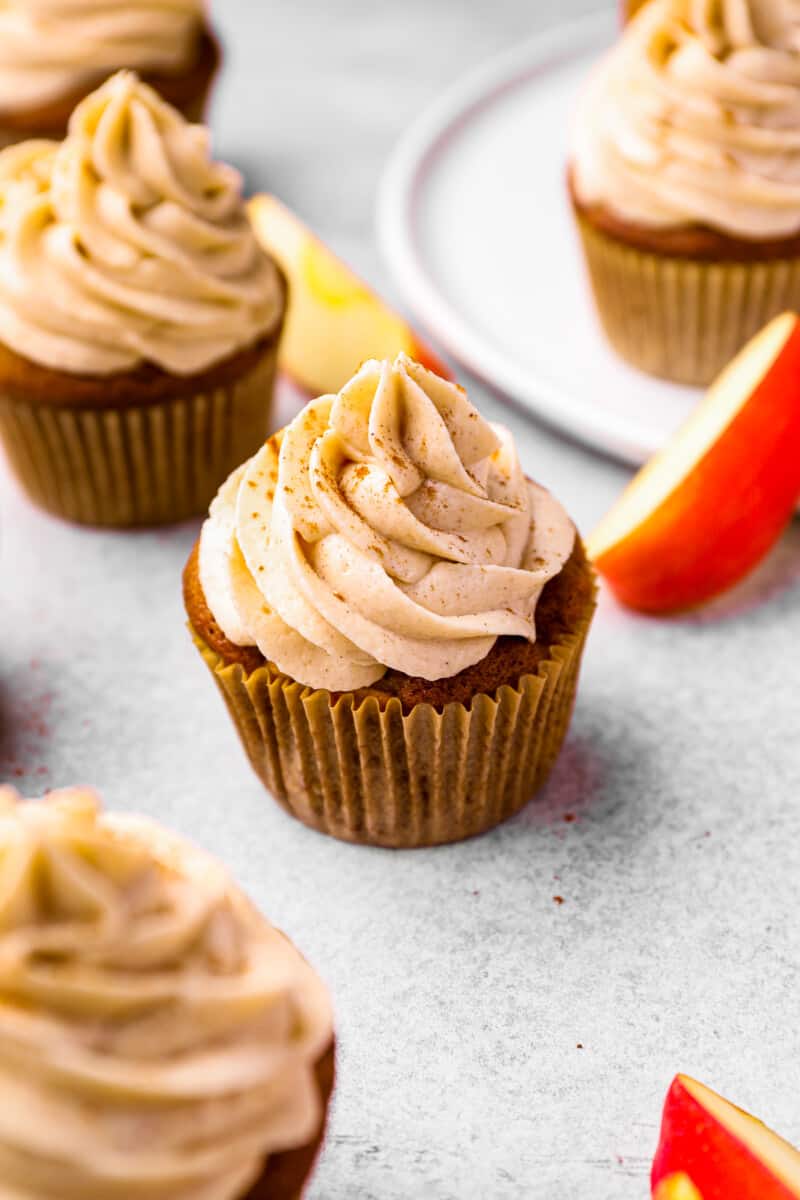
287, 1174
142, 464
375, 775
683, 319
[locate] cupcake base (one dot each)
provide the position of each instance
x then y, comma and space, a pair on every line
680, 304
286, 1175
386, 766
187, 90
143, 448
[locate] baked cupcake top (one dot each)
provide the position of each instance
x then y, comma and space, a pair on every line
138, 249
157, 1036
694, 119
387, 527
49, 48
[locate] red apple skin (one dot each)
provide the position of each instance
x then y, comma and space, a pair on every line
728, 512
422, 354
431, 361
719, 1166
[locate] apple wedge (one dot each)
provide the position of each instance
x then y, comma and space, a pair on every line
630, 8
705, 511
710, 1150
676, 1187
334, 321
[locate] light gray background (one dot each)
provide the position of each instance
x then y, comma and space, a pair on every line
462, 989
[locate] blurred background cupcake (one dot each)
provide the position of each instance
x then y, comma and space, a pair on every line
685, 178
394, 615
53, 53
158, 1037
139, 317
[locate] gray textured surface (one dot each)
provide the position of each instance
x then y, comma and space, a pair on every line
462, 988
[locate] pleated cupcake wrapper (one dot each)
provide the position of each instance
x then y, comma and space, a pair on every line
683, 319
137, 465
377, 776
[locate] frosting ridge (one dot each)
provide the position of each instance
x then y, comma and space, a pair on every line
158, 1037
50, 48
388, 527
694, 118
137, 250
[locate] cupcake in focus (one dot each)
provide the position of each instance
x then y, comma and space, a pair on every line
685, 179
53, 53
159, 1040
139, 317
395, 616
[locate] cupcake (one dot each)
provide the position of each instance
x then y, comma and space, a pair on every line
139, 318
52, 55
394, 615
685, 179
159, 1040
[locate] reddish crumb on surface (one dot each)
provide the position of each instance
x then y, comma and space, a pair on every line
476, 893
580, 1046
620, 1159
570, 818
28, 734
558, 899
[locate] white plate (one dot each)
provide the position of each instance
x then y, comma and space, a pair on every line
475, 224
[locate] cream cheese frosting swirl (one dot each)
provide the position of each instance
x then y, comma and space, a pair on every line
694, 118
50, 48
157, 1036
139, 250
387, 527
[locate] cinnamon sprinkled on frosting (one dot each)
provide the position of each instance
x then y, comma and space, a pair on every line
388, 527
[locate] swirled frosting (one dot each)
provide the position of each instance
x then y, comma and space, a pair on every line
157, 1036
138, 250
694, 118
387, 527
50, 48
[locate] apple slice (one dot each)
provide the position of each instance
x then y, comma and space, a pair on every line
334, 321
705, 511
630, 8
676, 1187
719, 1152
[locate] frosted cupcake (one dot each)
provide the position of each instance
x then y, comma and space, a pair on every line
685, 179
159, 1040
393, 613
53, 53
139, 318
